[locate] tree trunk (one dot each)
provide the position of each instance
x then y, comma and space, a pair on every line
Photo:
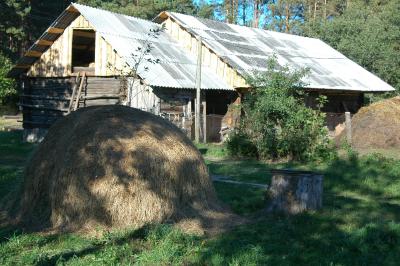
287, 18
293, 192
256, 16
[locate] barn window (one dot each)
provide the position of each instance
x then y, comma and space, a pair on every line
83, 50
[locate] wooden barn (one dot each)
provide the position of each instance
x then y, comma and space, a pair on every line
86, 56
237, 51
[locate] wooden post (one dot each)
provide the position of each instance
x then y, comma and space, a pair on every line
23, 92
189, 109
198, 85
204, 103
293, 191
184, 117
189, 119
348, 127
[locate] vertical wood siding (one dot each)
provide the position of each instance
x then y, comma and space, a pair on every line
142, 97
56, 61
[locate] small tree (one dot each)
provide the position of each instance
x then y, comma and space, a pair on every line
141, 58
7, 85
276, 121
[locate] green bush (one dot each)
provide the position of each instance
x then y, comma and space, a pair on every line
276, 121
239, 145
7, 85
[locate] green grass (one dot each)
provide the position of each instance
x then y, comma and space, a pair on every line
211, 150
9, 123
13, 156
359, 224
243, 200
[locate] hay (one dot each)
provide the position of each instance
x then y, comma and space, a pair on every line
114, 166
377, 125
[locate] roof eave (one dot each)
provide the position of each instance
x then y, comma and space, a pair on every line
161, 17
15, 70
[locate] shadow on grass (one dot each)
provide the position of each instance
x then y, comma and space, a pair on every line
359, 224
203, 151
94, 246
309, 239
373, 176
241, 170
54, 248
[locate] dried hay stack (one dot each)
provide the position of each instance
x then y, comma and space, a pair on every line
377, 125
115, 166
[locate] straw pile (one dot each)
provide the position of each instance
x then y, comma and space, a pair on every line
115, 166
377, 125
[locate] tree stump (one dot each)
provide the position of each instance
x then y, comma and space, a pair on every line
293, 192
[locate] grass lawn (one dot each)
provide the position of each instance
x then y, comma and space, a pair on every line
359, 224
9, 123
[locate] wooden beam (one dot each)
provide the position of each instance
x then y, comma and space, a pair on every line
72, 9
32, 53
100, 97
84, 47
82, 33
44, 42
163, 15
22, 66
348, 127
204, 103
80, 46
198, 89
41, 107
55, 30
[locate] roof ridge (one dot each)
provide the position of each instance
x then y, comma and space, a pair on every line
115, 13
237, 25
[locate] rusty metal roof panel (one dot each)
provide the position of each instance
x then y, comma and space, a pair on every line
245, 49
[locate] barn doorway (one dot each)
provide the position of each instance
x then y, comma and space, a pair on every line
83, 50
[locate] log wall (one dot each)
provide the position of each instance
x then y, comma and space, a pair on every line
44, 100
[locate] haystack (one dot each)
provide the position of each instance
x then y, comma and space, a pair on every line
377, 126
115, 166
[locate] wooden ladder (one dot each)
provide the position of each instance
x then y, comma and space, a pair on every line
74, 101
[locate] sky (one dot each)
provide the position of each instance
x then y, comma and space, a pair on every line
248, 12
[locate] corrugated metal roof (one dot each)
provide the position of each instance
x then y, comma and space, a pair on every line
247, 49
126, 34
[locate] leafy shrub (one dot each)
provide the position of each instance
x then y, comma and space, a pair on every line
276, 121
239, 145
7, 85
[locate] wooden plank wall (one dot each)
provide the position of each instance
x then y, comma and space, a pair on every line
142, 97
44, 100
56, 61
209, 58
337, 102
